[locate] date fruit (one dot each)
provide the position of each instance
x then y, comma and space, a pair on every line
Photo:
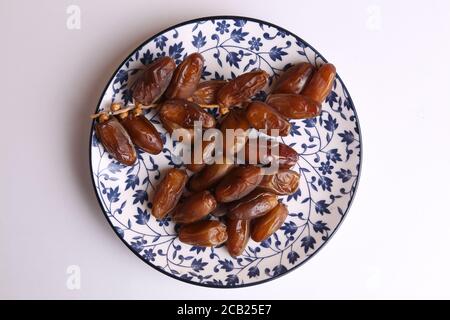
238, 183
194, 207
209, 176
238, 235
207, 233
142, 132
262, 116
253, 205
294, 106
283, 182
220, 210
115, 140
294, 79
263, 227
184, 113
153, 81
321, 83
286, 158
186, 77
168, 192
242, 88
206, 92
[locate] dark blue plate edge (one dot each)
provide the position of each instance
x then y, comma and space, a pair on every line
216, 18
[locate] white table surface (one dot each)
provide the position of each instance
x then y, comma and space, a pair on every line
394, 59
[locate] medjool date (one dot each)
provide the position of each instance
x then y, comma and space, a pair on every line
194, 207
153, 81
142, 132
115, 140
238, 183
262, 116
255, 153
294, 79
206, 92
294, 106
321, 83
253, 205
238, 235
242, 88
186, 77
206, 233
184, 113
168, 192
263, 227
283, 182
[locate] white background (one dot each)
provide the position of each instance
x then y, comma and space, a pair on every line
394, 59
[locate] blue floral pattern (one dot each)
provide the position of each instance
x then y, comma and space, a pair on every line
329, 165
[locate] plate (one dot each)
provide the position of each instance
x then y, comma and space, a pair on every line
329, 147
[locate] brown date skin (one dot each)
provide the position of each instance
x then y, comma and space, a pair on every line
263, 227
168, 192
242, 88
220, 210
321, 83
206, 92
238, 235
153, 81
235, 119
262, 116
186, 77
253, 205
206, 233
142, 133
116, 141
238, 183
294, 106
194, 208
195, 167
209, 176
287, 157
294, 79
184, 113
283, 182
170, 126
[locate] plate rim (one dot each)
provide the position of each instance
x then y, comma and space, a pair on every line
217, 17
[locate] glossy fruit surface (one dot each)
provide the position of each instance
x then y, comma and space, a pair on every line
153, 81
186, 77
194, 208
143, 133
253, 205
263, 227
261, 116
168, 192
206, 233
294, 106
116, 141
321, 83
294, 79
239, 182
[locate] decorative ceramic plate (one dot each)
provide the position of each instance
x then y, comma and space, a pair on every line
329, 147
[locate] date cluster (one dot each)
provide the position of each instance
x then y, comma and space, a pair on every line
243, 198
